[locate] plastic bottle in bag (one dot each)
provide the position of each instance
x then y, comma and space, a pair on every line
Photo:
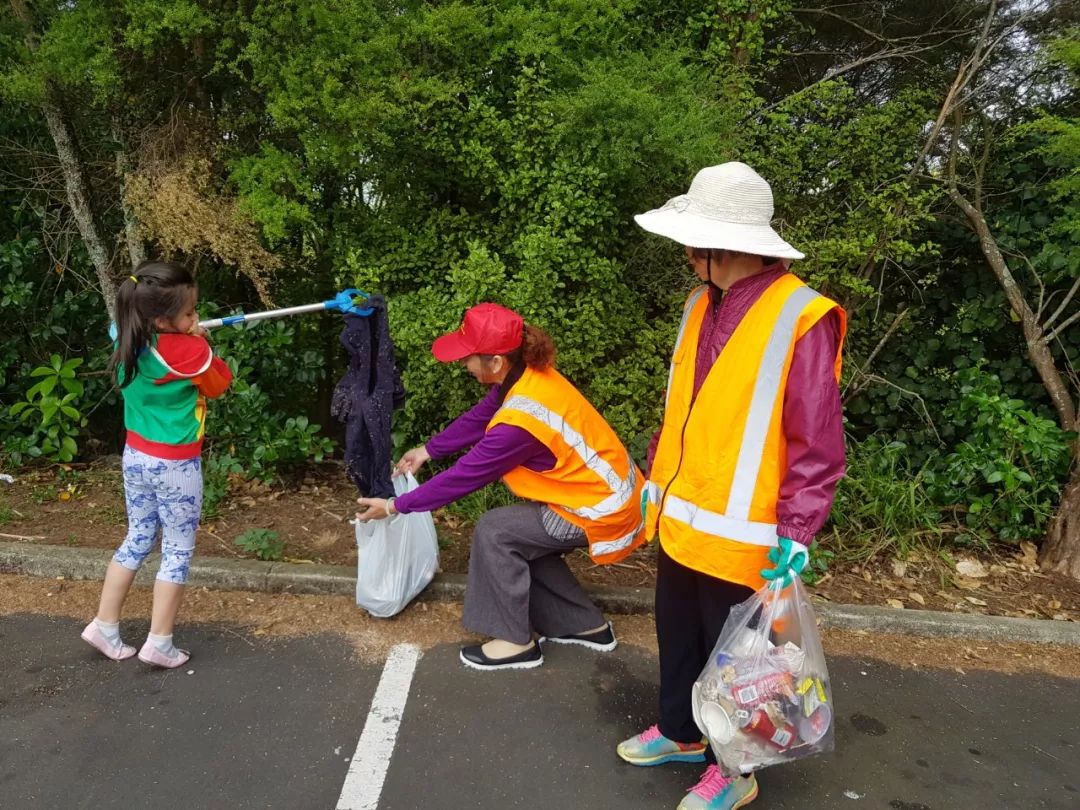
764, 697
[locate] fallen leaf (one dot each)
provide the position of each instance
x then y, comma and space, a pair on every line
972, 568
1029, 554
867, 575
975, 601
895, 603
1060, 617
1053, 604
899, 568
917, 597
966, 584
998, 570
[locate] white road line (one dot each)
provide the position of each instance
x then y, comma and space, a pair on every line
367, 770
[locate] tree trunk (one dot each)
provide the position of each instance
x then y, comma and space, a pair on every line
1060, 551
74, 177
1034, 335
79, 201
1061, 548
135, 245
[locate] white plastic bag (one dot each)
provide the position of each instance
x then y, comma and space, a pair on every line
396, 557
764, 695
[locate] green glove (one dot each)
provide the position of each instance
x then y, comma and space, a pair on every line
644, 501
790, 558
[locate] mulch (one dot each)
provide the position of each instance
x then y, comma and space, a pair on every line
83, 506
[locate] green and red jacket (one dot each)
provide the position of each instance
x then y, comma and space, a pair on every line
165, 403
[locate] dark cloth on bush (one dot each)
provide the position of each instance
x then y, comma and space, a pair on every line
365, 399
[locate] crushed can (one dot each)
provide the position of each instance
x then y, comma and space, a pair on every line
779, 736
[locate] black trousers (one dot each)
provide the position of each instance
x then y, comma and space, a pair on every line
691, 609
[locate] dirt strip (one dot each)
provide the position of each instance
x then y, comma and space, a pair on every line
429, 624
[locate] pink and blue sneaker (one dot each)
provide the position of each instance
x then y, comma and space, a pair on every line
718, 792
650, 747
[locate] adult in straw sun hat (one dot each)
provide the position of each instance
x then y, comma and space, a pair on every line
744, 467
581, 489
728, 207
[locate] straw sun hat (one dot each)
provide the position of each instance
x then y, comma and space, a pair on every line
729, 206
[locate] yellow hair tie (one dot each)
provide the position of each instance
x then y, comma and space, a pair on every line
134, 279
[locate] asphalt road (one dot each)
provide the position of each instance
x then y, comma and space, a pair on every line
273, 724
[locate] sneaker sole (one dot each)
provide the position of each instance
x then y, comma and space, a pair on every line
663, 759
749, 797
592, 645
516, 665
163, 666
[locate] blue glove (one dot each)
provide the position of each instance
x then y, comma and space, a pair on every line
790, 558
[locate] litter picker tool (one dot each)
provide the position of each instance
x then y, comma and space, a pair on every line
347, 302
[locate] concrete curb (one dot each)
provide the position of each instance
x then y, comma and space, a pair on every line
338, 580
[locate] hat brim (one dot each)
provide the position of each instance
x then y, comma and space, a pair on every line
694, 230
451, 347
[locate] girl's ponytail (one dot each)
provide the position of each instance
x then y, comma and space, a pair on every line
155, 290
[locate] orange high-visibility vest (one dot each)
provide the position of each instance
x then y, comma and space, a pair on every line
594, 483
715, 478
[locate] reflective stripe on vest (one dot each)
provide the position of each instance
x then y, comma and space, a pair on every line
766, 388
734, 524
706, 522
622, 490
604, 547
687, 310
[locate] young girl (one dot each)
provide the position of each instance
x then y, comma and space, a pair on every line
165, 370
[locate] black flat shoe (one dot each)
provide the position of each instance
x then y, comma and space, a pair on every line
474, 658
601, 640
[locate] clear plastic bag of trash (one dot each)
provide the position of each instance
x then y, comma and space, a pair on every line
396, 557
764, 697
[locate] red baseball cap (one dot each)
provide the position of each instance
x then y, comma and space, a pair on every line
486, 329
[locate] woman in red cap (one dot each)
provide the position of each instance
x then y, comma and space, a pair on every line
580, 488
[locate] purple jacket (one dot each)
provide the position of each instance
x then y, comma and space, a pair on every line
812, 417
494, 453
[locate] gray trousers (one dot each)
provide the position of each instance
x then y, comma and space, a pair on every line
519, 581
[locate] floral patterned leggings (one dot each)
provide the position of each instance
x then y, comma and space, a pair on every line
166, 495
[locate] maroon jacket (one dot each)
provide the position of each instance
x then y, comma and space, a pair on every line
812, 418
